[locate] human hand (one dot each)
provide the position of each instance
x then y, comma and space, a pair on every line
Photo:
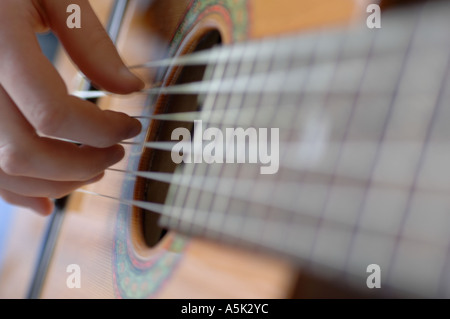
34, 102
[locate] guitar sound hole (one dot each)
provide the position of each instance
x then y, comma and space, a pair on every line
159, 160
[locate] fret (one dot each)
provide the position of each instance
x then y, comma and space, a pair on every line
314, 110
371, 169
177, 195
260, 119
204, 200
285, 233
251, 218
266, 229
322, 134
195, 198
222, 204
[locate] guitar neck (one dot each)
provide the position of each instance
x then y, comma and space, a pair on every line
360, 150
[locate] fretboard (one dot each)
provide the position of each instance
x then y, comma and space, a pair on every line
364, 151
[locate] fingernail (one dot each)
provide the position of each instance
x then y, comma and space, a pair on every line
118, 154
138, 84
95, 179
45, 207
135, 129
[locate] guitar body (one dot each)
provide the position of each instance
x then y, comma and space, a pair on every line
104, 237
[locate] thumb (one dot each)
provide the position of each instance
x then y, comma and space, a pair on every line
90, 47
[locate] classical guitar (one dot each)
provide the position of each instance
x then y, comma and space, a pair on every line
289, 150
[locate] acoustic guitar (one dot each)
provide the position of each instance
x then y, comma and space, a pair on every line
337, 181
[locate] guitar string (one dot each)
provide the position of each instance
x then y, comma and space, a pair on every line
206, 57
242, 99
283, 47
185, 196
266, 50
294, 153
348, 182
237, 53
160, 209
294, 249
213, 116
166, 146
253, 83
308, 217
161, 145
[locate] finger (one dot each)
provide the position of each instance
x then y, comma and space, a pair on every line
56, 160
40, 93
43, 206
23, 153
33, 187
90, 47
